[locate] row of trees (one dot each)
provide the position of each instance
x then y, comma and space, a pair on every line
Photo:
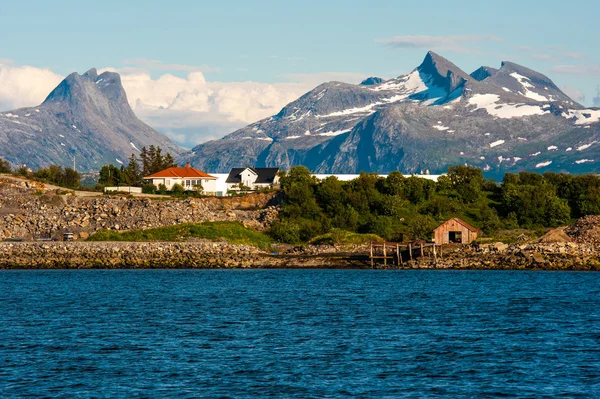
64, 177
151, 161
54, 174
402, 208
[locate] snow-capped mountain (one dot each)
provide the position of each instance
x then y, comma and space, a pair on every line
87, 117
505, 119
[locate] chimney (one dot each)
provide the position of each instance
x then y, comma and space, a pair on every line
187, 165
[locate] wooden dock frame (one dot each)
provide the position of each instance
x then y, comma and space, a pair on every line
392, 251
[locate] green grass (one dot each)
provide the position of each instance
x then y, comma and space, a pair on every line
338, 236
233, 232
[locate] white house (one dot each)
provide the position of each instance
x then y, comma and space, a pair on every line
252, 178
187, 177
349, 177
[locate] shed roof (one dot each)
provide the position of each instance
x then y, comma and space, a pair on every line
461, 222
264, 175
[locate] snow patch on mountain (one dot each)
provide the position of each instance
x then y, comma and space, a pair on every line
526, 83
440, 127
543, 164
489, 102
408, 83
583, 116
585, 146
333, 134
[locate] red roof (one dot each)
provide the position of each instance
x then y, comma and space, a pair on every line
462, 222
188, 171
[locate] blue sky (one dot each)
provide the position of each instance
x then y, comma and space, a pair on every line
276, 41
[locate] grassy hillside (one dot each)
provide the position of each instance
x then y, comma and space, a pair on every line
233, 232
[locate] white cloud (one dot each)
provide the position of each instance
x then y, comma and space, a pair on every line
22, 86
453, 43
190, 110
234, 101
596, 100
574, 93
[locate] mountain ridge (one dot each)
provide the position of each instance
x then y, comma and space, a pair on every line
502, 120
86, 117
505, 119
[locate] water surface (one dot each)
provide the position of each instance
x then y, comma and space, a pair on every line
299, 333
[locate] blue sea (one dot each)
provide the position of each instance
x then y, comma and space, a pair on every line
299, 334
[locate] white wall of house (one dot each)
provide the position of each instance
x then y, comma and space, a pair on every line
124, 189
248, 178
209, 186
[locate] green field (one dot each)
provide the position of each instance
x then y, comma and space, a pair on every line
233, 232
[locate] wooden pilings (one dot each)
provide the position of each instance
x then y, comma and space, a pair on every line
392, 252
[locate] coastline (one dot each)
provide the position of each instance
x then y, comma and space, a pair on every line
222, 255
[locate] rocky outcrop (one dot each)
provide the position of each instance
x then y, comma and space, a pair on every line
117, 255
585, 230
539, 256
148, 255
28, 211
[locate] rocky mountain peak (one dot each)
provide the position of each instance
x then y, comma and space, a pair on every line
92, 74
484, 72
104, 93
87, 115
372, 81
442, 72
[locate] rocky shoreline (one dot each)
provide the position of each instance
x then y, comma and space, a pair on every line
210, 255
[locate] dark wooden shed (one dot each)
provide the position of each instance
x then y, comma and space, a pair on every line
455, 231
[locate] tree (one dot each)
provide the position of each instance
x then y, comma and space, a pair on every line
153, 161
297, 174
535, 206
110, 175
72, 178
168, 161
144, 156
4, 166
23, 171
421, 227
394, 184
132, 173
466, 181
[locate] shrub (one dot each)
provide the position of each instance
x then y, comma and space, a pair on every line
149, 188
4, 166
